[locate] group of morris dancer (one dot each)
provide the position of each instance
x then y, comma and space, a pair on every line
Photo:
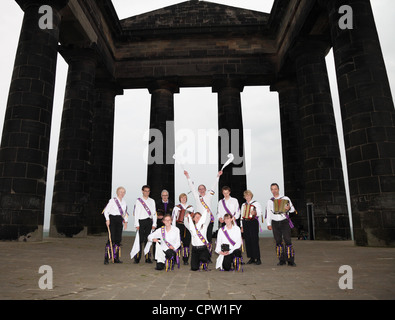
175, 228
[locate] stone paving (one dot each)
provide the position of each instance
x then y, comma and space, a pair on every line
79, 274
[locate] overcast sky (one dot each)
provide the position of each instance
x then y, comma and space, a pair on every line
195, 109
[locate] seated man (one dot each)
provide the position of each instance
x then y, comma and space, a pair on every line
197, 224
168, 239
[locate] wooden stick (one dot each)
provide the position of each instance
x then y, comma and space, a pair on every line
109, 238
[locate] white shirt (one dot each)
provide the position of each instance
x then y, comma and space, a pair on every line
276, 217
206, 198
234, 233
254, 203
173, 237
233, 206
112, 209
140, 213
201, 226
176, 212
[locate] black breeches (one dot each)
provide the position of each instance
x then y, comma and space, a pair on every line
282, 236
145, 230
251, 236
281, 230
199, 255
210, 232
116, 226
169, 254
185, 234
185, 240
228, 260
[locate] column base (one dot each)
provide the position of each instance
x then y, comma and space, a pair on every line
21, 233
68, 232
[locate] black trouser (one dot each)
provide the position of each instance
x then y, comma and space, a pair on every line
228, 260
144, 231
185, 239
199, 255
210, 232
284, 249
116, 227
210, 237
169, 253
251, 236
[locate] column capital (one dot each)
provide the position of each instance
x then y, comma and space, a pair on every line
309, 46
285, 83
72, 53
57, 4
221, 83
168, 84
108, 86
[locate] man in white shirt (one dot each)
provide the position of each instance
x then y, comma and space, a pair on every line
228, 205
168, 238
203, 202
197, 224
144, 222
281, 225
116, 216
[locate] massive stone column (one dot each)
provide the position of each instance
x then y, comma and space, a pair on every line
368, 122
71, 190
292, 146
324, 182
160, 173
27, 126
100, 175
231, 136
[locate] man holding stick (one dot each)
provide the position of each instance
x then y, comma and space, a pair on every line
116, 216
203, 202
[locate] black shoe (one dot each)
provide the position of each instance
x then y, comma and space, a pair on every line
252, 260
105, 261
117, 261
136, 261
186, 263
159, 266
148, 260
258, 262
281, 263
291, 264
